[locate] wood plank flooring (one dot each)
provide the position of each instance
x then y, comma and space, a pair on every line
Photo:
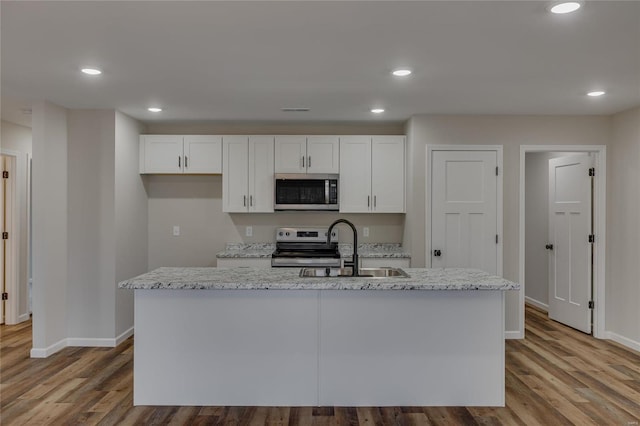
555, 376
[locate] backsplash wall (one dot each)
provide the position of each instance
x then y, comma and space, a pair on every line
194, 203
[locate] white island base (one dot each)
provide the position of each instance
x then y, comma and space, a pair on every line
319, 347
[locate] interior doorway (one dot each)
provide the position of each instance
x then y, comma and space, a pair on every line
562, 233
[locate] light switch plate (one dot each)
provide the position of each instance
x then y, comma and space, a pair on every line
176, 230
248, 232
365, 231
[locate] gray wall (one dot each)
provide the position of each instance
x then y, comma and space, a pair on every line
17, 139
130, 206
511, 132
49, 216
623, 229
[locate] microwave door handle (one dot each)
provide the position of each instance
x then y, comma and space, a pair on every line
326, 188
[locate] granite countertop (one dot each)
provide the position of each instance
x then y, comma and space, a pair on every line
247, 250
367, 250
245, 278
375, 250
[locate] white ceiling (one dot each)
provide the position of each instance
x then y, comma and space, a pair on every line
246, 60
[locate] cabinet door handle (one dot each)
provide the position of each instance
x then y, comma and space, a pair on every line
251, 200
303, 161
186, 164
375, 203
309, 163
244, 200
179, 164
368, 200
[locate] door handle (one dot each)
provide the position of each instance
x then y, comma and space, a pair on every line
303, 161
368, 200
549, 246
179, 162
309, 163
244, 200
250, 200
186, 164
437, 253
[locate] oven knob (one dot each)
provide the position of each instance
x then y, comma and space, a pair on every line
287, 234
281, 233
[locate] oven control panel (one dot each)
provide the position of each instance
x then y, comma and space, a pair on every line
305, 235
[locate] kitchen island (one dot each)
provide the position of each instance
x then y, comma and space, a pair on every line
253, 336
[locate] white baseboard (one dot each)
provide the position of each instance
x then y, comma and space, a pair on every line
631, 344
124, 336
23, 318
83, 342
49, 350
515, 334
536, 303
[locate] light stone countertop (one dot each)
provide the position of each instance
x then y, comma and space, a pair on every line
247, 250
245, 278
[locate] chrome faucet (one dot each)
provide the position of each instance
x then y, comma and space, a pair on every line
354, 262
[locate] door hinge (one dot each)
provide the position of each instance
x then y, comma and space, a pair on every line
592, 171
5, 296
5, 174
5, 235
592, 238
496, 170
591, 304
496, 238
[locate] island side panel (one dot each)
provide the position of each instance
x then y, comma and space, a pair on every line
225, 347
421, 348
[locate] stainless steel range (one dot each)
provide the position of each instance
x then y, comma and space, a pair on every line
305, 247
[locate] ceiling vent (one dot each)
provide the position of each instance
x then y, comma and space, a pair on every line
295, 109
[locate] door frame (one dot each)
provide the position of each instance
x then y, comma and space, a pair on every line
12, 252
599, 220
498, 149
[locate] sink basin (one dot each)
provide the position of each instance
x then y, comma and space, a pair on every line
347, 272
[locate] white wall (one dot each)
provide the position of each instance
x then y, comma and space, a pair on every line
17, 139
91, 224
49, 212
623, 230
509, 131
130, 217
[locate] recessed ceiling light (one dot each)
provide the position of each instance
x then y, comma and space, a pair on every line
377, 110
91, 71
565, 7
596, 93
401, 72
155, 109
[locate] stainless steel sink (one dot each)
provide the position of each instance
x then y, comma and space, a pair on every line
347, 272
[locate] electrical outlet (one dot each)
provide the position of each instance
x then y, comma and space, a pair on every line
176, 230
248, 232
365, 231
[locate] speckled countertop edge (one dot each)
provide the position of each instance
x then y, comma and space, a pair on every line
287, 279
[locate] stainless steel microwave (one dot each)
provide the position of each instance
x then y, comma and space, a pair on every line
306, 191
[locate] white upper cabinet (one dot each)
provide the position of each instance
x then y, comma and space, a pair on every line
307, 154
247, 174
372, 174
197, 154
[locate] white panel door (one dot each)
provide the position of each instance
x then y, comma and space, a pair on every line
464, 210
570, 250
387, 174
323, 154
291, 154
261, 181
162, 153
355, 174
202, 154
235, 174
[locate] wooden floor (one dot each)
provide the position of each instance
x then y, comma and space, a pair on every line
555, 376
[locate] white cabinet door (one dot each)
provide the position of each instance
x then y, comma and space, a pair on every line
202, 154
387, 174
291, 154
235, 173
323, 154
261, 181
355, 174
161, 154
